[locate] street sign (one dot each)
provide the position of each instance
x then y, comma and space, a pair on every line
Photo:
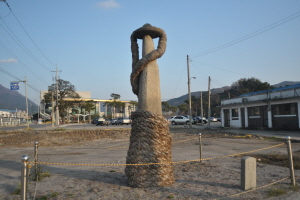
14, 85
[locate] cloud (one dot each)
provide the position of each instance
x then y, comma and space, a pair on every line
11, 60
108, 4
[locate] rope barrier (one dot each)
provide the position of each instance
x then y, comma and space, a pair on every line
166, 163
173, 143
255, 188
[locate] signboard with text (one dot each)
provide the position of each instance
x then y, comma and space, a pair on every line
14, 85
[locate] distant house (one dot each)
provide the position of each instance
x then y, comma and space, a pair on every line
275, 108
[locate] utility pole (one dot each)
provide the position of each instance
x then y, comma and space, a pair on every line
208, 120
14, 85
189, 92
39, 107
56, 92
52, 110
201, 103
25, 81
57, 110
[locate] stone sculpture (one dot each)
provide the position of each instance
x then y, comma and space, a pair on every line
150, 140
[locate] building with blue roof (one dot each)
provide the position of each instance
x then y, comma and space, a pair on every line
277, 108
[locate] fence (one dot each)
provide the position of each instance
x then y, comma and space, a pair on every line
9, 121
26, 164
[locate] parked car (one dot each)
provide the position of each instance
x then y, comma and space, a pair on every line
101, 121
95, 120
212, 119
198, 119
219, 119
170, 119
113, 121
180, 120
123, 120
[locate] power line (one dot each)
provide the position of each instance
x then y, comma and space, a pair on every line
11, 75
22, 46
13, 55
32, 39
27, 51
178, 83
260, 31
211, 66
219, 68
9, 10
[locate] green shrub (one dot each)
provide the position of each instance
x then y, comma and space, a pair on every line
39, 173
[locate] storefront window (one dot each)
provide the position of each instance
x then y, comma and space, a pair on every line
254, 111
235, 114
285, 109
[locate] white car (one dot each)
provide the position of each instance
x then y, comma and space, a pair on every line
170, 118
180, 120
122, 120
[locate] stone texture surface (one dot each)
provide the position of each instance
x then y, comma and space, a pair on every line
149, 90
248, 173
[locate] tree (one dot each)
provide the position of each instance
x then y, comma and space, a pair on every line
183, 108
119, 105
165, 106
247, 85
89, 106
132, 106
109, 104
173, 108
115, 96
65, 90
114, 104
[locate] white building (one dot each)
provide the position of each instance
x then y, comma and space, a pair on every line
275, 108
100, 105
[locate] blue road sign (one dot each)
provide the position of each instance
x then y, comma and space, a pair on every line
14, 86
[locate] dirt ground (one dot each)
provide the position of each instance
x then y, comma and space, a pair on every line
217, 178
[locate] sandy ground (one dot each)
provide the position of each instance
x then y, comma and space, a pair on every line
211, 179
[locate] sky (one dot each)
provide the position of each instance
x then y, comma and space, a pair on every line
89, 43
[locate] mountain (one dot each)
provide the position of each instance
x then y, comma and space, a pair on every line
286, 83
180, 100
12, 100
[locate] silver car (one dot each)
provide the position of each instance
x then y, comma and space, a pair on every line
180, 120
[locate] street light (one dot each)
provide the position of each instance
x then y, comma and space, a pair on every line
190, 101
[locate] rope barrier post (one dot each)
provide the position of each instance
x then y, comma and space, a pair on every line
200, 147
36, 146
24, 174
290, 155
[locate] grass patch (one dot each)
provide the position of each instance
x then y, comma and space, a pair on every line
295, 188
54, 194
276, 191
17, 191
170, 197
43, 198
281, 190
